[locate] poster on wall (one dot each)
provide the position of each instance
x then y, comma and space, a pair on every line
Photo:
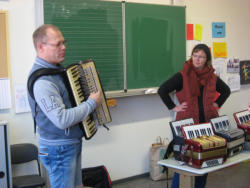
190, 31
5, 93
219, 66
233, 65
218, 29
21, 99
220, 49
198, 32
245, 72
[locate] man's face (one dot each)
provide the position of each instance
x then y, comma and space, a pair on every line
53, 48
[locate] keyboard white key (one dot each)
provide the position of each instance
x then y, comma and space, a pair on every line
194, 131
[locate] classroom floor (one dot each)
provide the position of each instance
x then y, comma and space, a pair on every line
236, 176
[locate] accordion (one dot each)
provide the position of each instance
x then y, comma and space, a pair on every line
234, 136
242, 119
82, 79
178, 138
198, 146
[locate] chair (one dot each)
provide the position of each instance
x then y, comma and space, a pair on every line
21, 154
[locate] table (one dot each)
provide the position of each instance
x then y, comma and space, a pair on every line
188, 173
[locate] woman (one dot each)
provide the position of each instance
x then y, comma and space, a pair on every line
195, 86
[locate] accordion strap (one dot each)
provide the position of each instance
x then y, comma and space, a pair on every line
33, 77
37, 74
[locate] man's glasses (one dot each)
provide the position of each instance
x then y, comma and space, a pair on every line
58, 45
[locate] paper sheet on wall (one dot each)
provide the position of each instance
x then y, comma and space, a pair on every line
233, 81
220, 49
219, 65
190, 31
233, 65
21, 99
198, 32
5, 98
218, 29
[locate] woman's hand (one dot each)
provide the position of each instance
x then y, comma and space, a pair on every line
180, 108
216, 106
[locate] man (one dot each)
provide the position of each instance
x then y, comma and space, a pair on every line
60, 141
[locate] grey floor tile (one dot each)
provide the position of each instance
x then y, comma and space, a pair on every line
236, 176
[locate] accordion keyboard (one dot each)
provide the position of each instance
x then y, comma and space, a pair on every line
222, 125
84, 80
92, 82
79, 96
243, 117
194, 131
176, 126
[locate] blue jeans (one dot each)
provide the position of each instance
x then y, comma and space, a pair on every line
200, 181
63, 164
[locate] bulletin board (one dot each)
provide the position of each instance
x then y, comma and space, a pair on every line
4, 45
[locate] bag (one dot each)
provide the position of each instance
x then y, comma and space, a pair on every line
157, 152
97, 177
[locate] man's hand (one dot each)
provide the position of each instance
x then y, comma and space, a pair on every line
96, 97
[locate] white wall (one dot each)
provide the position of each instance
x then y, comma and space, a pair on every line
138, 120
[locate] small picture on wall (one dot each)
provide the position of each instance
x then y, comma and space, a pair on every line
233, 65
245, 72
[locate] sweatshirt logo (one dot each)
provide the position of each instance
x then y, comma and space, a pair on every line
50, 104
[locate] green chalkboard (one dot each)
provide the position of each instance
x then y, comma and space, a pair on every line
93, 30
156, 43
155, 39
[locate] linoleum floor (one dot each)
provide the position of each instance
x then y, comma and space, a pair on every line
237, 176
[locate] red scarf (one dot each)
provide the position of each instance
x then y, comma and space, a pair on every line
195, 78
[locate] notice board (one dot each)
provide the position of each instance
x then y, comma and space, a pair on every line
4, 45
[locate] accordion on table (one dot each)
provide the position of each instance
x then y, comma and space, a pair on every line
178, 138
83, 79
234, 136
242, 119
201, 147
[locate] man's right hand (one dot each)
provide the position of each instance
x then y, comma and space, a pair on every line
96, 97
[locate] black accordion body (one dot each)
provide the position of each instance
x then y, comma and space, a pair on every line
234, 136
179, 141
